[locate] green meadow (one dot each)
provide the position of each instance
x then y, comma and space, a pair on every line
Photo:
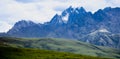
53, 48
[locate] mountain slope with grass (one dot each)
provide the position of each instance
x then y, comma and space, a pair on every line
62, 45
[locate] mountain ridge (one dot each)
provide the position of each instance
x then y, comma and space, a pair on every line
79, 23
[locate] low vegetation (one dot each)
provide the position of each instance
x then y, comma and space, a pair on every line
23, 53
60, 45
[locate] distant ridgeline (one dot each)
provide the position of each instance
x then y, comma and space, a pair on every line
99, 28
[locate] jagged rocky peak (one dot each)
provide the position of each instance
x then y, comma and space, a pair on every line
99, 15
67, 11
23, 23
79, 17
80, 10
107, 8
19, 25
106, 11
65, 14
57, 19
116, 9
70, 11
73, 10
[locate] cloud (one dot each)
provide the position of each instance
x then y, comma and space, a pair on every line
59, 8
41, 11
28, 1
25, 1
4, 26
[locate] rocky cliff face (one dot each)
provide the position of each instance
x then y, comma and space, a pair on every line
103, 37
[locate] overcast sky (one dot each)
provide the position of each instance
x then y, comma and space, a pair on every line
41, 11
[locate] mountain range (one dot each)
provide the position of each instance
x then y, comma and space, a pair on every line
99, 28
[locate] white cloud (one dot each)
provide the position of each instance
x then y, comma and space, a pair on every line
4, 26
41, 11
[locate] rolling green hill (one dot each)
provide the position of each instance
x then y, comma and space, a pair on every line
63, 45
23, 53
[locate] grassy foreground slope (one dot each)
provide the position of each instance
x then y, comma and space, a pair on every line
61, 45
23, 53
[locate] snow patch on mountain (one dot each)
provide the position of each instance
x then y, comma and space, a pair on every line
65, 18
102, 30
